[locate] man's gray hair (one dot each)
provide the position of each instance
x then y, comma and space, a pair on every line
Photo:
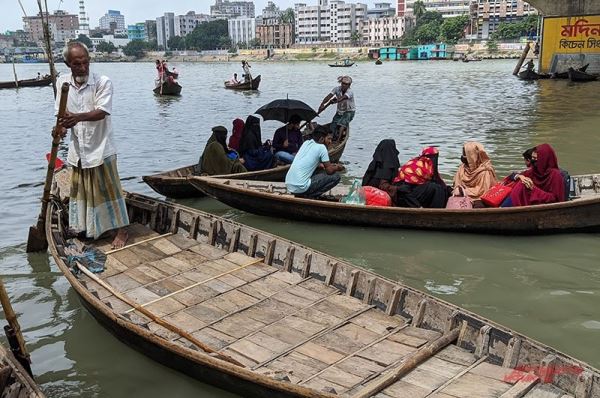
71, 45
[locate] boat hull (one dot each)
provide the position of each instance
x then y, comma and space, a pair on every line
253, 85
168, 89
341, 65
579, 76
582, 215
27, 83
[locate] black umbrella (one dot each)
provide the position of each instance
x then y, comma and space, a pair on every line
283, 109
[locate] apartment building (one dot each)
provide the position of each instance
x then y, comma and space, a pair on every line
275, 35
225, 9
185, 24
382, 31
242, 30
448, 8
137, 32
488, 14
112, 20
332, 21
381, 10
165, 29
63, 26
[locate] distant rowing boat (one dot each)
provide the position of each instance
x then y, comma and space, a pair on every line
341, 64
579, 76
168, 88
252, 85
46, 81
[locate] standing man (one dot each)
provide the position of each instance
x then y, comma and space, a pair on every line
300, 180
344, 97
288, 140
96, 199
247, 74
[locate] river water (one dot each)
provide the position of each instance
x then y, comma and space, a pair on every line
545, 287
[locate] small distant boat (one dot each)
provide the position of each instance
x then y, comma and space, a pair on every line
565, 75
252, 85
471, 59
578, 76
168, 88
532, 75
344, 64
378, 62
45, 81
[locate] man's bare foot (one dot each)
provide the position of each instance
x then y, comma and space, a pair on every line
120, 239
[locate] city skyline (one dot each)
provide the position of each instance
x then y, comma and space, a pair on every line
12, 18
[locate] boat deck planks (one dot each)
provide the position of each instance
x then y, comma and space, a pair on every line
299, 322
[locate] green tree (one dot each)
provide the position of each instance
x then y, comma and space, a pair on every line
492, 45
430, 16
418, 9
288, 16
452, 29
427, 33
209, 36
83, 39
135, 48
355, 38
176, 43
255, 43
105, 47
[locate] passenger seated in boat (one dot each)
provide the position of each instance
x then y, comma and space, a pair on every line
433, 153
255, 154
234, 80
288, 140
300, 179
383, 168
416, 187
217, 158
236, 134
542, 183
476, 173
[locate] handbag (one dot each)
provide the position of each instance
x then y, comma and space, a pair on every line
496, 194
461, 202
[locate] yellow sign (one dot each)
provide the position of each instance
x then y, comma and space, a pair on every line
567, 37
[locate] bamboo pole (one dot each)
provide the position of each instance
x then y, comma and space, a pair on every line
157, 319
15, 71
11, 318
522, 59
48, 42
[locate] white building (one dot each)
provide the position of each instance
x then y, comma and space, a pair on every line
490, 13
331, 21
241, 30
382, 31
185, 24
114, 17
165, 29
448, 8
117, 42
225, 9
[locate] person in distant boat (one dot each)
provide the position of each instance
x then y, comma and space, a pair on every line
529, 66
344, 97
236, 134
234, 79
247, 74
300, 180
476, 173
255, 154
175, 71
96, 199
542, 183
217, 158
288, 140
39, 76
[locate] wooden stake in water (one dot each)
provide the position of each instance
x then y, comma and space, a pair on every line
11, 318
15, 72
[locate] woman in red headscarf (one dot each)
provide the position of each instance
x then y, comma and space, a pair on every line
541, 183
236, 134
416, 185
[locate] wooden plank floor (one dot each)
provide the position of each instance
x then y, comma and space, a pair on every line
289, 328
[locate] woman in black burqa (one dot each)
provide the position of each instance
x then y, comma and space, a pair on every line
256, 155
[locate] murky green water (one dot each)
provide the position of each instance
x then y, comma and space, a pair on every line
546, 287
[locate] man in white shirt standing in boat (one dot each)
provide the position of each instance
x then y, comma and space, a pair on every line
96, 199
344, 98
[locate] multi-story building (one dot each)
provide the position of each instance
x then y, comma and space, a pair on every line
448, 8
276, 35
112, 20
381, 10
331, 21
242, 30
271, 15
150, 27
165, 29
185, 24
63, 26
225, 9
488, 14
401, 8
382, 31
137, 32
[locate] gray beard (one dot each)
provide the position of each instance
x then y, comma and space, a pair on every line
81, 79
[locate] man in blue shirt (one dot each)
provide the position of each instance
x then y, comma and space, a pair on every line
300, 179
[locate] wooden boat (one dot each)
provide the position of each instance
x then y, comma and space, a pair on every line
15, 382
578, 76
174, 183
532, 75
378, 62
46, 81
471, 59
341, 64
565, 75
253, 85
271, 199
168, 88
262, 316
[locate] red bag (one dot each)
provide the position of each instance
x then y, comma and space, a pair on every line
376, 197
496, 194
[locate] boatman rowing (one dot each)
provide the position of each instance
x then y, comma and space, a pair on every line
96, 200
344, 97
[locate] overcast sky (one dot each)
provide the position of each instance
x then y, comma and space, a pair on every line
134, 10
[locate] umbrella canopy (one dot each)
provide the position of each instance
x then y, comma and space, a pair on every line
283, 109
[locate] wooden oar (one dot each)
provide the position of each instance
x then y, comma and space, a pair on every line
37, 235
15, 72
318, 113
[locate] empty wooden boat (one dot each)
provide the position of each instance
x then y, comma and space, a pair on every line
168, 88
580, 214
174, 183
579, 76
251, 85
342, 64
15, 382
532, 75
262, 316
565, 75
45, 81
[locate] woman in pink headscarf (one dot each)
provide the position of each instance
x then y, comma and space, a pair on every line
476, 173
541, 183
236, 134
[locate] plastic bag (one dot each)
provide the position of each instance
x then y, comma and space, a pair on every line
376, 197
356, 195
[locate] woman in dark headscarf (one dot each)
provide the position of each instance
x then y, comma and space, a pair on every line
214, 159
255, 155
384, 166
541, 183
236, 134
433, 153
